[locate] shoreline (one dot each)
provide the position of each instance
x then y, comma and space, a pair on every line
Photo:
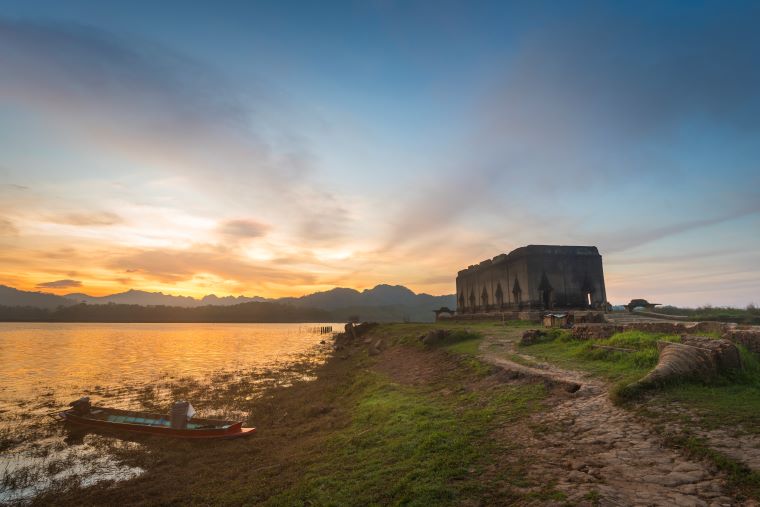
390, 418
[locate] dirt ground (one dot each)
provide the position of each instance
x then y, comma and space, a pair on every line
600, 452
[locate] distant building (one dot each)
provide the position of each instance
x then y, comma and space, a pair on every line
534, 277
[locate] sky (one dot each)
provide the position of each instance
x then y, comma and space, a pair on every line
282, 148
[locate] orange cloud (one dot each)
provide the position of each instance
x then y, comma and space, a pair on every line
60, 284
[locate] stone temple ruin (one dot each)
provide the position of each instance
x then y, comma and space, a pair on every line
533, 277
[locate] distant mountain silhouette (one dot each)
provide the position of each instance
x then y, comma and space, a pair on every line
141, 297
14, 297
381, 295
381, 303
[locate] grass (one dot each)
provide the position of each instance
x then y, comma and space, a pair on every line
559, 347
732, 400
405, 446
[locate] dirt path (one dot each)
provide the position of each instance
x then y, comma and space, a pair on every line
602, 453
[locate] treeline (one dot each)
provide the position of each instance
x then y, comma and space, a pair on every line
748, 315
244, 312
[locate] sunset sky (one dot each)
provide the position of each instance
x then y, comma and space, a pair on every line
280, 148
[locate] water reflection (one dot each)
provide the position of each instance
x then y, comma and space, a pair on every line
219, 367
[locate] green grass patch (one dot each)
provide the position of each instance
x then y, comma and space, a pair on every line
518, 323
409, 334
462, 342
733, 399
411, 446
591, 355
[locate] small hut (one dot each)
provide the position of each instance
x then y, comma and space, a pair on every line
557, 320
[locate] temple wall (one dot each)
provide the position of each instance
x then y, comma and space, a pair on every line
563, 277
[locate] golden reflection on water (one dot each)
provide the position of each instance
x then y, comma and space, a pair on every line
219, 367
67, 357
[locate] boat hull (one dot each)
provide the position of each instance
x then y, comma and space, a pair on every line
230, 429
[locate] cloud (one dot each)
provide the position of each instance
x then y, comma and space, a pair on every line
7, 228
60, 284
172, 266
323, 219
87, 219
13, 187
632, 237
150, 102
243, 229
598, 94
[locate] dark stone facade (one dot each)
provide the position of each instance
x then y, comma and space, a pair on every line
534, 277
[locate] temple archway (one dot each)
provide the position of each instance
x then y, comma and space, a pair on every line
588, 292
517, 293
546, 291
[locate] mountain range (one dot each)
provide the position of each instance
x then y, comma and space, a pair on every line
381, 303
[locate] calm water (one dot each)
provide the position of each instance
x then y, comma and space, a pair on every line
218, 367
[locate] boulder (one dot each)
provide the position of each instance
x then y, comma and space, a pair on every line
696, 357
750, 338
725, 354
531, 336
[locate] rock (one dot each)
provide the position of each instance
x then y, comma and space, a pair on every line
725, 353
686, 467
687, 501
697, 357
750, 338
531, 336
576, 476
685, 478
594, 331
373, 351
435, 336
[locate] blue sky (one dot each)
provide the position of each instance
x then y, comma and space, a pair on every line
278, 148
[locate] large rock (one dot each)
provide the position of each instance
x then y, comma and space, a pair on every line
531, 336
750, 338
696, 357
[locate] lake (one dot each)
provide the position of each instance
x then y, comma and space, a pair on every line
219, 368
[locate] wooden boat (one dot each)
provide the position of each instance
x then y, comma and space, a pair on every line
156, 424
